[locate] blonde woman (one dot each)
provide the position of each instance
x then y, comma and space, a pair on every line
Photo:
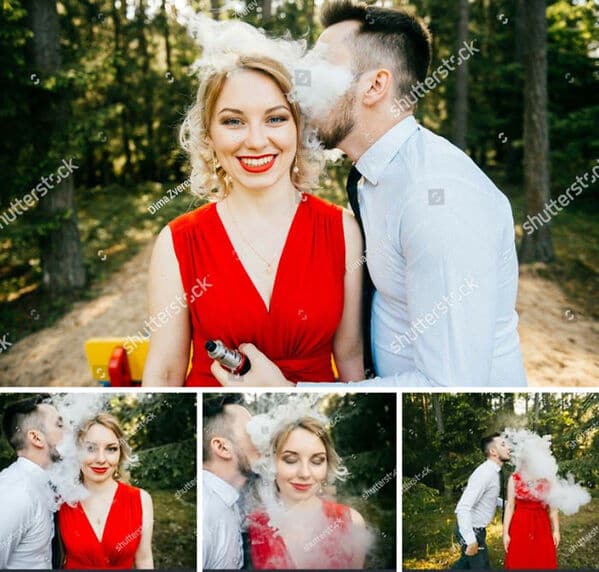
301, 528
264, 261
112, 527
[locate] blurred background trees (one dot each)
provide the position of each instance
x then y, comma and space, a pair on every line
106, 82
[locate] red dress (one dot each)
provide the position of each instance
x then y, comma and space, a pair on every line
307, 298
531, 542
120, 539
331, 549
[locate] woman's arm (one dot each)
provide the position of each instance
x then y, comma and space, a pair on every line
509, 512
360, 537
143, 556
348, 343
554, 517
170, 340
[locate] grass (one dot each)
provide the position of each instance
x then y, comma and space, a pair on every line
174, 541
428, 541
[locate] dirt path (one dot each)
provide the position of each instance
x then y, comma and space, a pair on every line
560, 347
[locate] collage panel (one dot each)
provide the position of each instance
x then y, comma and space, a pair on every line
299, 481
500, 481
98, 481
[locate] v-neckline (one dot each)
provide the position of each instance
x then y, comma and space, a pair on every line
101, 538
267, 307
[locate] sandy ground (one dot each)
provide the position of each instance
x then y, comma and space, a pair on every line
560, 346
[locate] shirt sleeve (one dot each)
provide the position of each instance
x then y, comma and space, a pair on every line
470, 497
450, 236
13, 525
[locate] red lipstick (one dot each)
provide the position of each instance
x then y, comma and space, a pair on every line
99, 470
299, 487
257, 168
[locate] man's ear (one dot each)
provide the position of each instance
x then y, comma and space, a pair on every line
221, 447
380, 83
36, 438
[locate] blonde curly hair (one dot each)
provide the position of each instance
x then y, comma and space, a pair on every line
193, 135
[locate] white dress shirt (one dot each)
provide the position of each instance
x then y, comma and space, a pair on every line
477, 505
222, 544
26, 521
441, 253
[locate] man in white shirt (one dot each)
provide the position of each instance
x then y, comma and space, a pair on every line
227, 456
34, 430
439, 235
478, 503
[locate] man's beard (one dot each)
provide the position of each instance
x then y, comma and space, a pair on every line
55, 456
340, 124
244, 466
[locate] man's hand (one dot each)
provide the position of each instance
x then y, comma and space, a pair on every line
472, 549
263, 373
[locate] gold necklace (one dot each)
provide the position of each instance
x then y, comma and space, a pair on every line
268, 263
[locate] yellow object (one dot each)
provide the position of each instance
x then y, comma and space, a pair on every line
99, 350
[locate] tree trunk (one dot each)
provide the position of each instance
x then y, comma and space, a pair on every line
165, 31
60, 246
460, 125
149, 160
266, 11
438, 413
215, 9
537, 245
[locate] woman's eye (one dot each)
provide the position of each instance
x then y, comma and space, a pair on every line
289, 460
112, 449
318, 461
278, 119
232, 121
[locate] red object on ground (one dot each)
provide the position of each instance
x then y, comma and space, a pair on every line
119, 371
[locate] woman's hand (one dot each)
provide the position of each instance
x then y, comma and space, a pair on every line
556, 538
506, 541
263, 372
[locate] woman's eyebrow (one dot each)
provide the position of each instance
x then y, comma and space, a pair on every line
269, 110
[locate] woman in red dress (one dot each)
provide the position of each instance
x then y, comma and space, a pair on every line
112, 527
298, 528
264, 261
530, 526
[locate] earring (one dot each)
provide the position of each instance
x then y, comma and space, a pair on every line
214, 177
295, 167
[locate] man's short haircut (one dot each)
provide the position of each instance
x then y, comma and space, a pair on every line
215, 419
487, 442
20, 417
391, 38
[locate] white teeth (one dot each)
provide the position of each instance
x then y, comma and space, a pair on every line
257, 162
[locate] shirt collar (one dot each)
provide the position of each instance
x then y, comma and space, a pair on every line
375, 159
228, 493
